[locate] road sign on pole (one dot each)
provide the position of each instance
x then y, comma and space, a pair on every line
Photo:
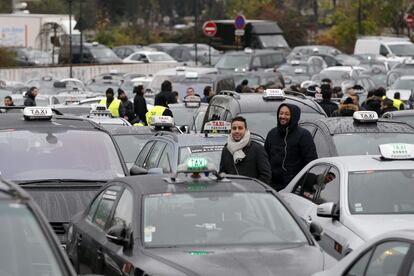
409, 20
209, 28
240, 22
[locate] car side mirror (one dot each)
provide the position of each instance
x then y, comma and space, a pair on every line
118, 235
316, 230
135, 170
327, 210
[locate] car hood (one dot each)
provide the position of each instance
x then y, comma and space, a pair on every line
370, 226
278, 260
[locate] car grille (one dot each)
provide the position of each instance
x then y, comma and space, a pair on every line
59, 228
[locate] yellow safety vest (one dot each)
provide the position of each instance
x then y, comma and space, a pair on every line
113, 107
139, 124
397, 103
157, 110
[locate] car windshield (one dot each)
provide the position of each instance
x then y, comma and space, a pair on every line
160, 57
211, 152
198, 87
183, 116
58, 154
233, 61
131, 145
381, 192
100, 52
212, 218
275, 41
27, 247
406, 84
402, 49
367, 143
253, 80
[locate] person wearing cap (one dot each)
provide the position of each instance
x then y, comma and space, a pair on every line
327, 105
243, 156
398, 104
160, 109
346, 109
166, 91
112, 104
127, 106
140, 106
30, 96
289, 146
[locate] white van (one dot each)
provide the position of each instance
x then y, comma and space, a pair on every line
385, 46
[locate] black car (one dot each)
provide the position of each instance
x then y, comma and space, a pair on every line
60, 160
258, 109
191, 225
28, 245
341, 136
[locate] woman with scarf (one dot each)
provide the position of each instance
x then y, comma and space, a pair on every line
242, 156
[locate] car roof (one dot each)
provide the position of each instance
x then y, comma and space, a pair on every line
254, 52
157, 184
401, 113
131, 130
342, 125
192, 139
367, 162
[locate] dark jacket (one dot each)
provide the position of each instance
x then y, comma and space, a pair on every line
289, 149
140, 108
128, 108
169, 96
29, 99
373, 104
255, 164
345, 110
328, 106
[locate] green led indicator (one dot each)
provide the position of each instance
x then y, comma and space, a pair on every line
198, 253
196, 164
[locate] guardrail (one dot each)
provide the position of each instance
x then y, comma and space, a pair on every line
81, 72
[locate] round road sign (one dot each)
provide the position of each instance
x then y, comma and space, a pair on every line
210, 28
240, 22
409, 20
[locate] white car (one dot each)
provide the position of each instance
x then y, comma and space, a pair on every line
405, 86
149, 57
355, 198
388, 254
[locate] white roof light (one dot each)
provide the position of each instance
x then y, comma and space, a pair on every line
37, 113
162, 121
100, 110
217, 126
295, 62
397, 151
274, 94
191, 75
299, 71
365, 116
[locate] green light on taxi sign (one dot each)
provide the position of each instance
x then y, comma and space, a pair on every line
198, 253
197, 164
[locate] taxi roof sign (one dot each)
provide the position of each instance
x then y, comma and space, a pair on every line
196, 165
37, 113
191, 75
192, 101
365, 116
100, 110
397, 151
162, 121
274, 94
217, 126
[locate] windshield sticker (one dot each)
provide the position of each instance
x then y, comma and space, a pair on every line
206, 148
208, 226
358, 207
148, 233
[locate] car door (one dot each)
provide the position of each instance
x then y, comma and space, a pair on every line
154, 156
91, 235
116, 256
167, 161
142, 156
323, 147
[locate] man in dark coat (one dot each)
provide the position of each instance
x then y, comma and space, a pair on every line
166, 91
127, 105
242, 156
327, 105
30, 97
140, 105
289, 146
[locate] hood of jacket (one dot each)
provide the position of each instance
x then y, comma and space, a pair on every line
294, 116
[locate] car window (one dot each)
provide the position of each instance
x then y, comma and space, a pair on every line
308, 185
124, 210
387, 259
321, 144
94, 206
143, 154
383, 50
358, 268
136, 57
105, 206
166, 159
153, 156
256, 62
328, 190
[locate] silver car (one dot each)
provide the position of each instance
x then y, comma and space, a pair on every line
355, 198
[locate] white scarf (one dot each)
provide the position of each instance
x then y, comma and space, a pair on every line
236, 148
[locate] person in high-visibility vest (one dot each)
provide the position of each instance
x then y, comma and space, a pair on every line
112, 104
398, 104
160, 109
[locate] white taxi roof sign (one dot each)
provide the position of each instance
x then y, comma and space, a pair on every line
397, 151
191, 75
192, 99
365, 116
162, 121
274, 94
217, 126
37, 113
100, 110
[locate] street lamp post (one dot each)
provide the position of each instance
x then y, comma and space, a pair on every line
196, 30
70, 39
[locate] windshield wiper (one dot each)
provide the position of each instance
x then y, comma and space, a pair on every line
41, 181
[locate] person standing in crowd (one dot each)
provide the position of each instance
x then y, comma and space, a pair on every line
387, 105
30, 96
208, 94
127, 105
398, 104
327, 105
260, 89
140, 105
289, 146
8, 101
347, 108
243, 87
112, 104
166, 91
160, 109
242, 156
190, 91
373, 101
